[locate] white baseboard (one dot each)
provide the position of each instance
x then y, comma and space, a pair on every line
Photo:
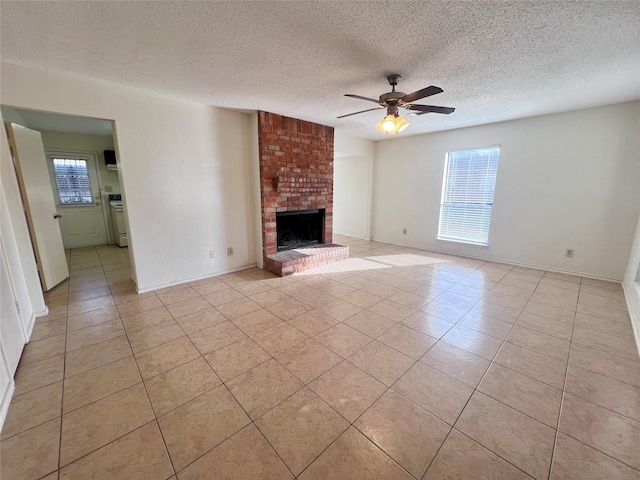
195, 279
632, 297
5, 401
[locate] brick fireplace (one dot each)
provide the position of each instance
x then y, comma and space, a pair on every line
296, 175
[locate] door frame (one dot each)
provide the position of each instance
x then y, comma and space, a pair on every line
49, 152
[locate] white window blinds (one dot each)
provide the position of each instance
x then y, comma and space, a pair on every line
467, 196
73, 182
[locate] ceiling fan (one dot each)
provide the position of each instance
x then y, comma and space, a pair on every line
393, 123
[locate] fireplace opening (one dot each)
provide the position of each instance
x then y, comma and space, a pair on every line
299, 228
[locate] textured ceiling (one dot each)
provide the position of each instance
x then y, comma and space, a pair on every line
495, 60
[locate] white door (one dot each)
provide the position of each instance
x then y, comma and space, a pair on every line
39, 203
77, 192
11, 334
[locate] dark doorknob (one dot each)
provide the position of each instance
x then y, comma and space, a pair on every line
57, 215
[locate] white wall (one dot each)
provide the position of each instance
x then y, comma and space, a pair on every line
568, 180
185, 171
352, 196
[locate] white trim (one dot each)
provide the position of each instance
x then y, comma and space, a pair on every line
6, 401
195, 279
632, 298
42, 313
353, 236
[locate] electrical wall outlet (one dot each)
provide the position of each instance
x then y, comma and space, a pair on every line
229, 251
404, 231
212, 254
568, 253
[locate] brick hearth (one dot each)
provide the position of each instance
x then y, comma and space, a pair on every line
296, 173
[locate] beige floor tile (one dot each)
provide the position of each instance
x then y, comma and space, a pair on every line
604, 391
555, 299
313, 322
268, 298
88, 387
457, 363
308, 360
462, 458
573, 459
238, 308
539, 342
441, 395
48, 329
607, 431
617, 315
146, 319
32, 409
607, 343
610, 327
391, 310
343, 340
124, 286
90, 319
428, 324
362, 299
196, 427
545, 325
39, 374
382, 362
315, 298
252, 288
501, 312
382, 291
150, 337
208, 285
263, 387
536, 399
164, 357
200, 320
487, 325
408, 341
176, 387
370, 323
94, 356
246, 455
216, 337
55, 313
38, 350
89, 428
181, 295
340, 309
457, 300
404, 431
619, 368
288, 309
278, 339
532, 364
139, 306
188, 307
257, 321
235, 359
354, 456
519, 439
128, 295
300, 428
349, 390
409, 300
549, 311
477, 343
141, 455
91, 335
90, 305
444, 311
31, 454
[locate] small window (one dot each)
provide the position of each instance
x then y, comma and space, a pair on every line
467, 195
72, 178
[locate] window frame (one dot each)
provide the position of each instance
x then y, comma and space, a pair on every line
439, 238
54, 156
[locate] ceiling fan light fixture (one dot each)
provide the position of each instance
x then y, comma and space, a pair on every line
392, 124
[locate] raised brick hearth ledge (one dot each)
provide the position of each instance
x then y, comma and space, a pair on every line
298, 260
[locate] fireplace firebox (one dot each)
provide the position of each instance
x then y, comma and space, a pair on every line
299, 228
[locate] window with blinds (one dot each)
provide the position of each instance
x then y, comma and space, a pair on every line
72, 178
467, 195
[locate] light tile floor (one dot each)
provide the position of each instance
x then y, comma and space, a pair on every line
463, 369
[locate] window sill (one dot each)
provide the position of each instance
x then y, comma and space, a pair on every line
462, 242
